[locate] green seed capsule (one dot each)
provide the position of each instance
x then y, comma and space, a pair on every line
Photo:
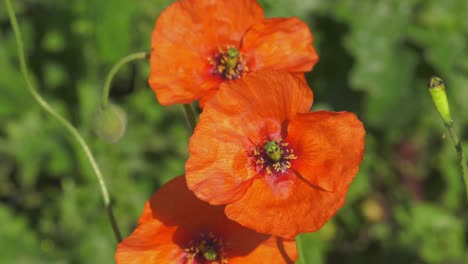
272, 150
210, 254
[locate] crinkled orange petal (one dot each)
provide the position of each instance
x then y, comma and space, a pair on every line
178, 75
186, 34
243, 245
274, 250
329, 147
217, 150
146, 215
280, 44
223, 21
303, 208
150, 243
206, 97
174, 202
174, 216
241, 112
301, 76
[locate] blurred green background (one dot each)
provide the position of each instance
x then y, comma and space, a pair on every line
407, 204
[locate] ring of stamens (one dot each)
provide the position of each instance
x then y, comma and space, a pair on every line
207, 249
273, 157
228, 63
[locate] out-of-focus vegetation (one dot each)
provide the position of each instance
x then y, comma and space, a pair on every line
407, 204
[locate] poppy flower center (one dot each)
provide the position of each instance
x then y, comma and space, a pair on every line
273, 157
207, 249
228, 63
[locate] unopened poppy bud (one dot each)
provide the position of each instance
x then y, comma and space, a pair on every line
439, 97
110, 123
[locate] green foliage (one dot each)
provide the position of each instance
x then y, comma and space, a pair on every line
434, 233
407, 204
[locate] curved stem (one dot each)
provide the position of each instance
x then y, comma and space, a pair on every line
190, 116
69, 127
115, 68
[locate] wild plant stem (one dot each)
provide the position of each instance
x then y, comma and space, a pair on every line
113, 71
300, 248
460, 155
67, 125
436, 89
190, 116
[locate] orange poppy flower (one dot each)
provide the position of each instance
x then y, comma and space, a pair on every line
280, 169
176, 227
198, 44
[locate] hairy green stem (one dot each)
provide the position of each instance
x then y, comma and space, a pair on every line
436, 88
460, 155
190, 116
69, 127
113, 71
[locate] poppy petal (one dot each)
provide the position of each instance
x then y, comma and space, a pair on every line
206, 97
185, 36
218, 168
329, 147
280, 44
174, 217
244, 245
146, 215
273, 251
172, 203
262, 95
213, 158
179, 71
223, 22
303, 208
150, 242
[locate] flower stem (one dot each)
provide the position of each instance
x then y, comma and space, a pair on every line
69, 127
300, 248
115, 68
460, 155
439, 97
190, 116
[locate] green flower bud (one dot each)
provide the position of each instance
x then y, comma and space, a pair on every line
110, 122
439, 97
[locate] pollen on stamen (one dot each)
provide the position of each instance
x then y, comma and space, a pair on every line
228, 63
273, 157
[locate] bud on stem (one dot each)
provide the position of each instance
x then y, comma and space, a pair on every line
439, 97
437, 90
110, 123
